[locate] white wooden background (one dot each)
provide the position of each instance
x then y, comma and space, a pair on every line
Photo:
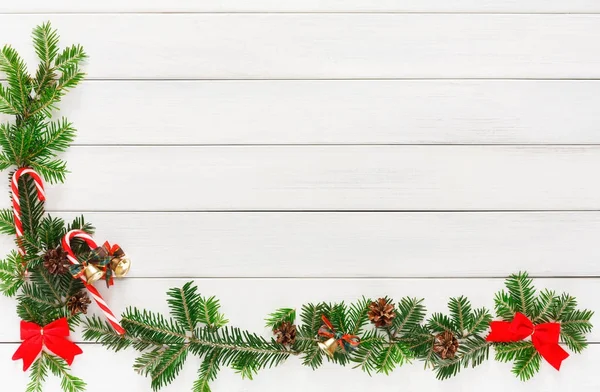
280, 152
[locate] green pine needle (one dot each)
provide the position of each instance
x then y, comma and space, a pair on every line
280, 316
37, 375
59, 368
12, 274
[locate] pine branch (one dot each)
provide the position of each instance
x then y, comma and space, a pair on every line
45, 42
6, 102
59, 368
521, 293
207, 372
542, 306
527, 364
367, 353
460, 312
280, 316
7, 223
18, 79
37, 375
53, 170
184, 303
12, 274
440, 323
152, 327
358, 316
168, 366
210, 313
148, 361
410, 313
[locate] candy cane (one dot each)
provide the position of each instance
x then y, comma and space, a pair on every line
17, 204
66, 245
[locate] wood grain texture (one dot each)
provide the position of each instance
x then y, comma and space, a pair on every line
246, 302
298, 46
407, 178
347, 244
303, 6
336, 112
491, 376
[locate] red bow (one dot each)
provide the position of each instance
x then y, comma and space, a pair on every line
53, 336
543, 336
347, 341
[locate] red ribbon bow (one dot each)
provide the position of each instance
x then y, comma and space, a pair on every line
543, 336
347, 341
53, 336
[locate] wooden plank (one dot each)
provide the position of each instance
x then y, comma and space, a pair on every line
491, 376
323, 46
407, 178
336, 112
37, 6
346, 244
262, 296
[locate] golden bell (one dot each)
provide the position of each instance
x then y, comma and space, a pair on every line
93, 274
329, 346
120, 266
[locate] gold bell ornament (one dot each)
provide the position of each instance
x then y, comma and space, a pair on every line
329, 346
120, 265
92, 273
335, 339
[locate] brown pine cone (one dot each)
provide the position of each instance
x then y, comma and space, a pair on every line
79, 303
381, 313
445, 345
286, 333
56, 262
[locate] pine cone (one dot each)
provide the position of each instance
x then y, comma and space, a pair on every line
79, 303
381, 313
445, 345
56, 262
286, 333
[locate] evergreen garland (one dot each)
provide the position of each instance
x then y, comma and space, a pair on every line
165, 342
374, 336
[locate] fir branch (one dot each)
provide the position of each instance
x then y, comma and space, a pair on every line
358, 316
312, 356
280, 316
45, 42
18, 79
7, 143
481, 321
7, 222
37, 375
393, 355
440, 322
207, 372
184, 303
169, 365
152, 327
521, 292
365, 356
53, 170
527, 364
210, 314
12, 274
6, 102
410, 313
542, 306
148, 361
59, 368
460, 312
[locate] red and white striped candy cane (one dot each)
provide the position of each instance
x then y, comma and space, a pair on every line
17, 203
66, 245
